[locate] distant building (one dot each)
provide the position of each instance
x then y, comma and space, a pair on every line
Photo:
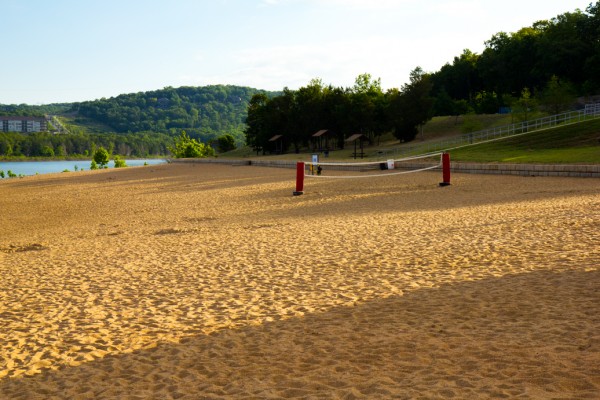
23, 124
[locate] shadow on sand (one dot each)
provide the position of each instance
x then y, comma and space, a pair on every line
534, 335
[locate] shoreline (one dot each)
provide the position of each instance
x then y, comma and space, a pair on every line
189, 280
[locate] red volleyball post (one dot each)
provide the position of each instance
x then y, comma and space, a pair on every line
299, 179
445, 169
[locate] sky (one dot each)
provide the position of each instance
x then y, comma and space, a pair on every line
62, 51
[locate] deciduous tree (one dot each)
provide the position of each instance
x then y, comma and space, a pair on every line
185, 147
101, 157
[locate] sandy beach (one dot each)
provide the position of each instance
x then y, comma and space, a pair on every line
200, 281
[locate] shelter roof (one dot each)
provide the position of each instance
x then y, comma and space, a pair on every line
276, 137
352, 138
321, 133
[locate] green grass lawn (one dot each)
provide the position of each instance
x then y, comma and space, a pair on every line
546, 156
442, 127
573, 144
84, 125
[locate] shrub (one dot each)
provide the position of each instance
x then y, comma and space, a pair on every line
101, 157
186, 147
48, 151
119, 162
226, 143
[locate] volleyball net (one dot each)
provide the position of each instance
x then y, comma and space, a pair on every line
372, 169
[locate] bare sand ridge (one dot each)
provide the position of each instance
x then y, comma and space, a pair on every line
213, 281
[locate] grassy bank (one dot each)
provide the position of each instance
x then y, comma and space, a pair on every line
573, 144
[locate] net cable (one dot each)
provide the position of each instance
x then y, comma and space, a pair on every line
316, 164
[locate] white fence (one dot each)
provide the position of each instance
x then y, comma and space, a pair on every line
591, 111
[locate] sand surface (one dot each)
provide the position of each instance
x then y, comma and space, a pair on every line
213, 281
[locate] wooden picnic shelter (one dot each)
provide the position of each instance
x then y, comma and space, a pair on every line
358, 139
277, 144
324, 140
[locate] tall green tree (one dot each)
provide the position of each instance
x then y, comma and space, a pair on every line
558, 96
366, 101
459, 80
256, 122
564, 48
591, 66
365, 83
524, 107
336, 110
412, 106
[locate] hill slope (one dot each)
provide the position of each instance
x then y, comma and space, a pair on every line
577, 143
203, 112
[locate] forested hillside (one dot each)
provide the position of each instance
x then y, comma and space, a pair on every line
137, 124
25, 110
539, 69
204, 113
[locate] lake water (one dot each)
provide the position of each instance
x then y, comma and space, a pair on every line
46, 167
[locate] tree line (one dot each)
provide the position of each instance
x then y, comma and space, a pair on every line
45, 144
561, 53
25, 110
364, 109
547, 64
